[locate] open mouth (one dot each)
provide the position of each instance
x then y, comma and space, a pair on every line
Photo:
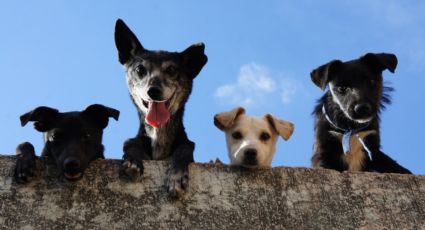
146, 103
158, 113
73, 176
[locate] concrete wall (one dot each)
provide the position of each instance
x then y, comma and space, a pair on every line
219, 197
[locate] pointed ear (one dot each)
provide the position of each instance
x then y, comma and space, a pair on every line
381, 61
321, 75
226, 120
126, 42
44, 118
194, 59
282, 127
100, 114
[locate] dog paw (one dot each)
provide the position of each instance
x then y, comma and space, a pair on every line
131, 170
178, 181
25, 163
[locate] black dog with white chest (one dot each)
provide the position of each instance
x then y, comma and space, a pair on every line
71, 140
159, 83
347, 133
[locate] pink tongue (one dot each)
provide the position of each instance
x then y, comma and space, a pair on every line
157, 114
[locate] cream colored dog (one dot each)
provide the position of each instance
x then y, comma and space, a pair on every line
251, 141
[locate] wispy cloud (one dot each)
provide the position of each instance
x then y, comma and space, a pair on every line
289, 88
255, 86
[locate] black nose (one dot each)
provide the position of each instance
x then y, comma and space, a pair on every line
250, 157
363, 109
154, 93
71, 164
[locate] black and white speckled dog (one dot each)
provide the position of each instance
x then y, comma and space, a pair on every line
160, 83
347, 133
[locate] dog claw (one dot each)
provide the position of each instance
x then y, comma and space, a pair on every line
185, 181
177, 183
175, 190
131, 170
21, 177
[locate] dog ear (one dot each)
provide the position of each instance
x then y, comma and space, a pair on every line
381, 61
100, 114
194, 59
321, 75
126, 42
45, 118
282, 127
226, 120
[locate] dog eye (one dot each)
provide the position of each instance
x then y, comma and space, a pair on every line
264, 136
141, 70
54, 137
171, 70
341, 89
237, 135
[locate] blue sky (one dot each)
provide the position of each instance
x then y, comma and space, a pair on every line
62, 54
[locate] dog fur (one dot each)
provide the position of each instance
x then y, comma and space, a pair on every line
354, 99
159, 83
251, 141
71, 140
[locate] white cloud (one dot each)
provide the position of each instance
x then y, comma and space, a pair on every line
289, 89
255, 85
255, 77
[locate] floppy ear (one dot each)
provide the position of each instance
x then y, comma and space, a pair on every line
100, 114
194, 59
282, 127
321, 75
126, 42
381, 61
226, 120
45, 118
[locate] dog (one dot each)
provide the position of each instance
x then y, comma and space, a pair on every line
159, 83
71, 140
347, 133
251, 141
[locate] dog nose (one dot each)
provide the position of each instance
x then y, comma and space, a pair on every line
71, 164
154, 93
363, 110
251, 153
250, 157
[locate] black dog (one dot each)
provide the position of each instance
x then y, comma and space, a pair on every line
72, 139
347, 133
160, 83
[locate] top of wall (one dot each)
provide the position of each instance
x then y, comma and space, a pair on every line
218, 197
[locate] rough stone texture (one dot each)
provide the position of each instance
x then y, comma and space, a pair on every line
219, 197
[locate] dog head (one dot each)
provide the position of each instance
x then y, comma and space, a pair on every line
251, 141
72, 139
356, 86
159, 81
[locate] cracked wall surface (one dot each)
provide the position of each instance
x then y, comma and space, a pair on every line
218, 197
